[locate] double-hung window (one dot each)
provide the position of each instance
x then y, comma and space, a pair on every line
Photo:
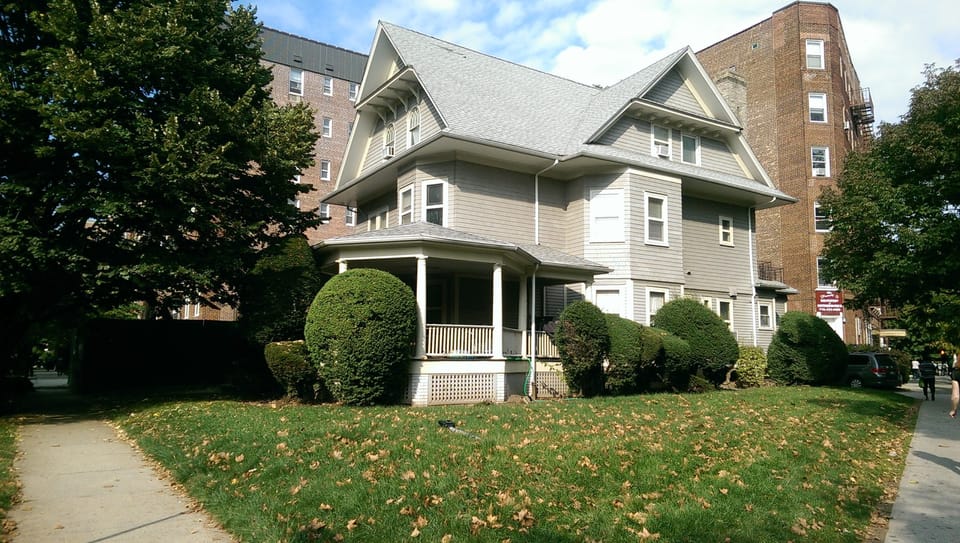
606, 215
726, 231
655, 211
406, 205
690, 149
327, 85
814, 54
296, 81
350, 217
817, 102
725, 311
661, 139
327, 127
765, 315
435, 202
821, 221
324, 170
656, 298
820, 161
324, 212
413, 127
352, 93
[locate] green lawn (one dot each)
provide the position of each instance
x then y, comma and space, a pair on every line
771, 464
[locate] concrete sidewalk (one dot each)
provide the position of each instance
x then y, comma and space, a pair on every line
926, 506
83, 484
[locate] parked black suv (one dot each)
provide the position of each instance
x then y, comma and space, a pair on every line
872, 370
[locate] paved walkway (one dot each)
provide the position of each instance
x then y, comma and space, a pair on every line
82, 484
926, 507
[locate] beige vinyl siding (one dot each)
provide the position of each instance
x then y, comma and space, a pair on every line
429, 127
741, 306
576, 230
715, 155
672, 91
654, 262
374, 156
628, 133
366, 211
709, 265
640, 297
493, 203
615, 254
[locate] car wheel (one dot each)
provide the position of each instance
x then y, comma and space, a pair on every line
855, 382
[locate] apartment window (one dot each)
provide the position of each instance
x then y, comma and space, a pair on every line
690, 149
413, 127
350, 216
296, 201
661, 141
196, 309
388, 141
821, 221
434, 202
324, 212
820, 161
296, 81
815, 54
656, 299
606, 215
327, 127
406, 205
655, 210
352, 93
822, 279
327, 85
765, 313
324, 170
818, 107
726, 231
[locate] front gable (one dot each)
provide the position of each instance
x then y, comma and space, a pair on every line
673, 90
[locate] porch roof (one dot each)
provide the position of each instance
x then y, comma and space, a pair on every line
547, 258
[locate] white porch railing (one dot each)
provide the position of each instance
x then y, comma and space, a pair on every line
477, 340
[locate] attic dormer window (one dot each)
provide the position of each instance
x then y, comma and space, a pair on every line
413, 127
388, 141
660, 141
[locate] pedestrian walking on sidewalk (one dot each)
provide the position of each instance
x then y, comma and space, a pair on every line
928, 379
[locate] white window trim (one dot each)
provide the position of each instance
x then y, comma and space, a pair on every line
707, 302
196, 309
446, 202
324, 210
819, 44
352, 92
696, 160
770, 314
666, 299
665, 242
819, 96
400, 211
816, 213
350, 216
379, 219
621, 312
729, 323
296, 201
389, 141
826, 161
612, 235
721, 229
299, 90
413, 128
324, 170
655, 144
327, 85
327, 130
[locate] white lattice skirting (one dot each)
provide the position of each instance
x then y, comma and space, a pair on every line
436, 382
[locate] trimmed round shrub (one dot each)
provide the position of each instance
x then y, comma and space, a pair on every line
275, 295
625, 358
677, 361
713, 348
360, 330
806, 351
289, 364
751, 367
583, 341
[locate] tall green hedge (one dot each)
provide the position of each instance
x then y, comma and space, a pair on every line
713, 348
625, 358
805, 350
583, 342
360, 332
275, 295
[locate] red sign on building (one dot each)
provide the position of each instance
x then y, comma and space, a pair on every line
829, 302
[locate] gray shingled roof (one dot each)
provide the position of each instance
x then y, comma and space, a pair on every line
424, 231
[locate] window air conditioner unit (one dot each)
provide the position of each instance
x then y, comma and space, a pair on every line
663, 150
820, 172
388, 151
296, 98
846, 125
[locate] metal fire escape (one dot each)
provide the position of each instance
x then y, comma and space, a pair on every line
861, 112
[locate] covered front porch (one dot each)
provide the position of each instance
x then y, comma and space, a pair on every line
480, 307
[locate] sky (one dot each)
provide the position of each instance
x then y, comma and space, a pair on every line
600, 42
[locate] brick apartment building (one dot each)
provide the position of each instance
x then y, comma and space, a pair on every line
327, 78
798, 96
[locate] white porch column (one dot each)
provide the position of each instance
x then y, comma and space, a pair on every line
522, 314
497, 312
420, 352
588, 291
342, 264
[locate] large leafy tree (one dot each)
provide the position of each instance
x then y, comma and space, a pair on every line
895, 213
141, 157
